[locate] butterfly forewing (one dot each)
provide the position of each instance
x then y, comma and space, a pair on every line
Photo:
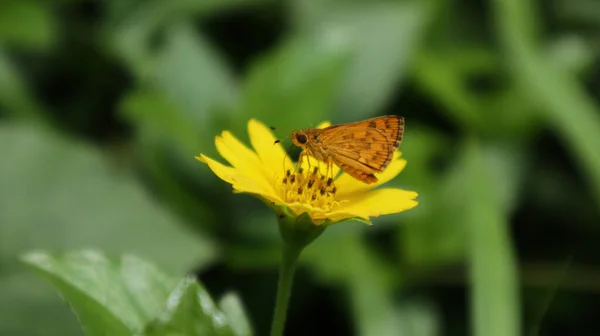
360, 149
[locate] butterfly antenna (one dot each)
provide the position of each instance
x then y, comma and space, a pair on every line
280, 140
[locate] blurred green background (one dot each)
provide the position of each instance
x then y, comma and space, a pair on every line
103, 105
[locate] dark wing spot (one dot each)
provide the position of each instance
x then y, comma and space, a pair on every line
372, 124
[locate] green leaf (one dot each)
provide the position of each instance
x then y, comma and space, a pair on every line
555, 90
190, 311
296, 83
383, 37
27, 24
493, 269
57, 194
108, 297
232, 307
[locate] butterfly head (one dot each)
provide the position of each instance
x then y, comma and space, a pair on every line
299, 138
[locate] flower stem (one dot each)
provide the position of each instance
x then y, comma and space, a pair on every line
290, 256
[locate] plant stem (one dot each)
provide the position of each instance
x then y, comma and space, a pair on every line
290, 256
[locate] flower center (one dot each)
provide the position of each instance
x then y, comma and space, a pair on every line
308, 188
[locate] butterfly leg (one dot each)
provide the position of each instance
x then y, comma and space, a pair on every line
302, 178
300, 158
329, 176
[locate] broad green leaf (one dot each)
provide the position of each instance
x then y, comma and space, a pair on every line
109, 297
495, 304
294, 86
27, 24
57, 194
556, 91
383, 37
189, 311
231, 305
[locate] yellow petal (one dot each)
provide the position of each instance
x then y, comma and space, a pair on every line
376, 203
349, 186
231, 176
244, 160
324, 124
272, 155
223, 172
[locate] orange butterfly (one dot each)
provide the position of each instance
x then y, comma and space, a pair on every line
360, 149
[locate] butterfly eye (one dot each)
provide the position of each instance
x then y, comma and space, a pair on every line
301, 138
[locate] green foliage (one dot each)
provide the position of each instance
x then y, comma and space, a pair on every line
27, 24
298, 79
189, 311
381, 37
494, 294
131, 297
60, 195
567, 107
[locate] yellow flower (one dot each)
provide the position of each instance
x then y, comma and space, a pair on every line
268, 173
